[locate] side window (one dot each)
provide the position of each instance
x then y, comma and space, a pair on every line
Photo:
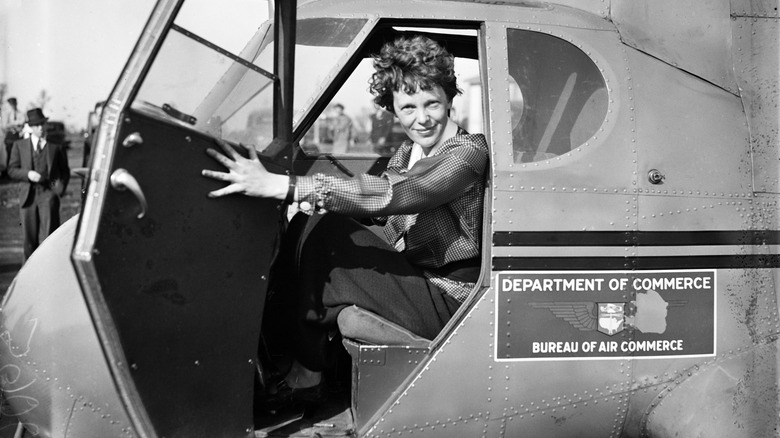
557, 95
353, 126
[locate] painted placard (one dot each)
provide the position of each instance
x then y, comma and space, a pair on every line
568, 315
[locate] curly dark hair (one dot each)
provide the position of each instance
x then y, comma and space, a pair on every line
410, 64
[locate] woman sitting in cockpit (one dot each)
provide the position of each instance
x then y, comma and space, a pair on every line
429, 200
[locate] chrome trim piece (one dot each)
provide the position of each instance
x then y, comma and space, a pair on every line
147, 46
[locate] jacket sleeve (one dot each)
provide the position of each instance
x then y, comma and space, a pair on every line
431, 182
15, 169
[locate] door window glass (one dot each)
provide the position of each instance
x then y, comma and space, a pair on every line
206, 18
558, 97
202, 85
193, 84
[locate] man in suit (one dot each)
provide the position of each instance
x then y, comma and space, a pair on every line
43, 166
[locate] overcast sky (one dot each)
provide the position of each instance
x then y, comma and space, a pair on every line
72, 49
75, 49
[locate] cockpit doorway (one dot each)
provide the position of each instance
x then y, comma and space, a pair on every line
340, 132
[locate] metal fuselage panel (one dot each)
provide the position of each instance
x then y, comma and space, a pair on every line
693, 35
55, 375
756, 53
660, 117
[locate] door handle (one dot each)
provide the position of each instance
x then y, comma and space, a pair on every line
122, 180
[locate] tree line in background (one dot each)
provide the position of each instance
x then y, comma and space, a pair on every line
40, 101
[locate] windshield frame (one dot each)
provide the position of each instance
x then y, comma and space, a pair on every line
200, 114
317, 101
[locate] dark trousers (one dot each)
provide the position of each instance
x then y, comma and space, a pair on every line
40, 217
328, 262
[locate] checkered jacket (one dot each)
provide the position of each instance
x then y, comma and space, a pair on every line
432, 212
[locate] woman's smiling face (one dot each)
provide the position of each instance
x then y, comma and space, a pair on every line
423, 114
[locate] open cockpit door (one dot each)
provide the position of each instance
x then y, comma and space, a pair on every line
176, 281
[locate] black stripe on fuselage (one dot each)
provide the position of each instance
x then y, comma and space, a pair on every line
749, 261
635, 238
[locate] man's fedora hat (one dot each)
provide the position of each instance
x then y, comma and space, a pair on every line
35, 117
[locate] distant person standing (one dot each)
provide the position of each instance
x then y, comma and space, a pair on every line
93, 123
381, 126
13, 121
341, 130
44, 167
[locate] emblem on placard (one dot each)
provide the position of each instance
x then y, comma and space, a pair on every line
611, 318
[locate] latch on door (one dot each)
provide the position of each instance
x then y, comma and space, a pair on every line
122, 180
